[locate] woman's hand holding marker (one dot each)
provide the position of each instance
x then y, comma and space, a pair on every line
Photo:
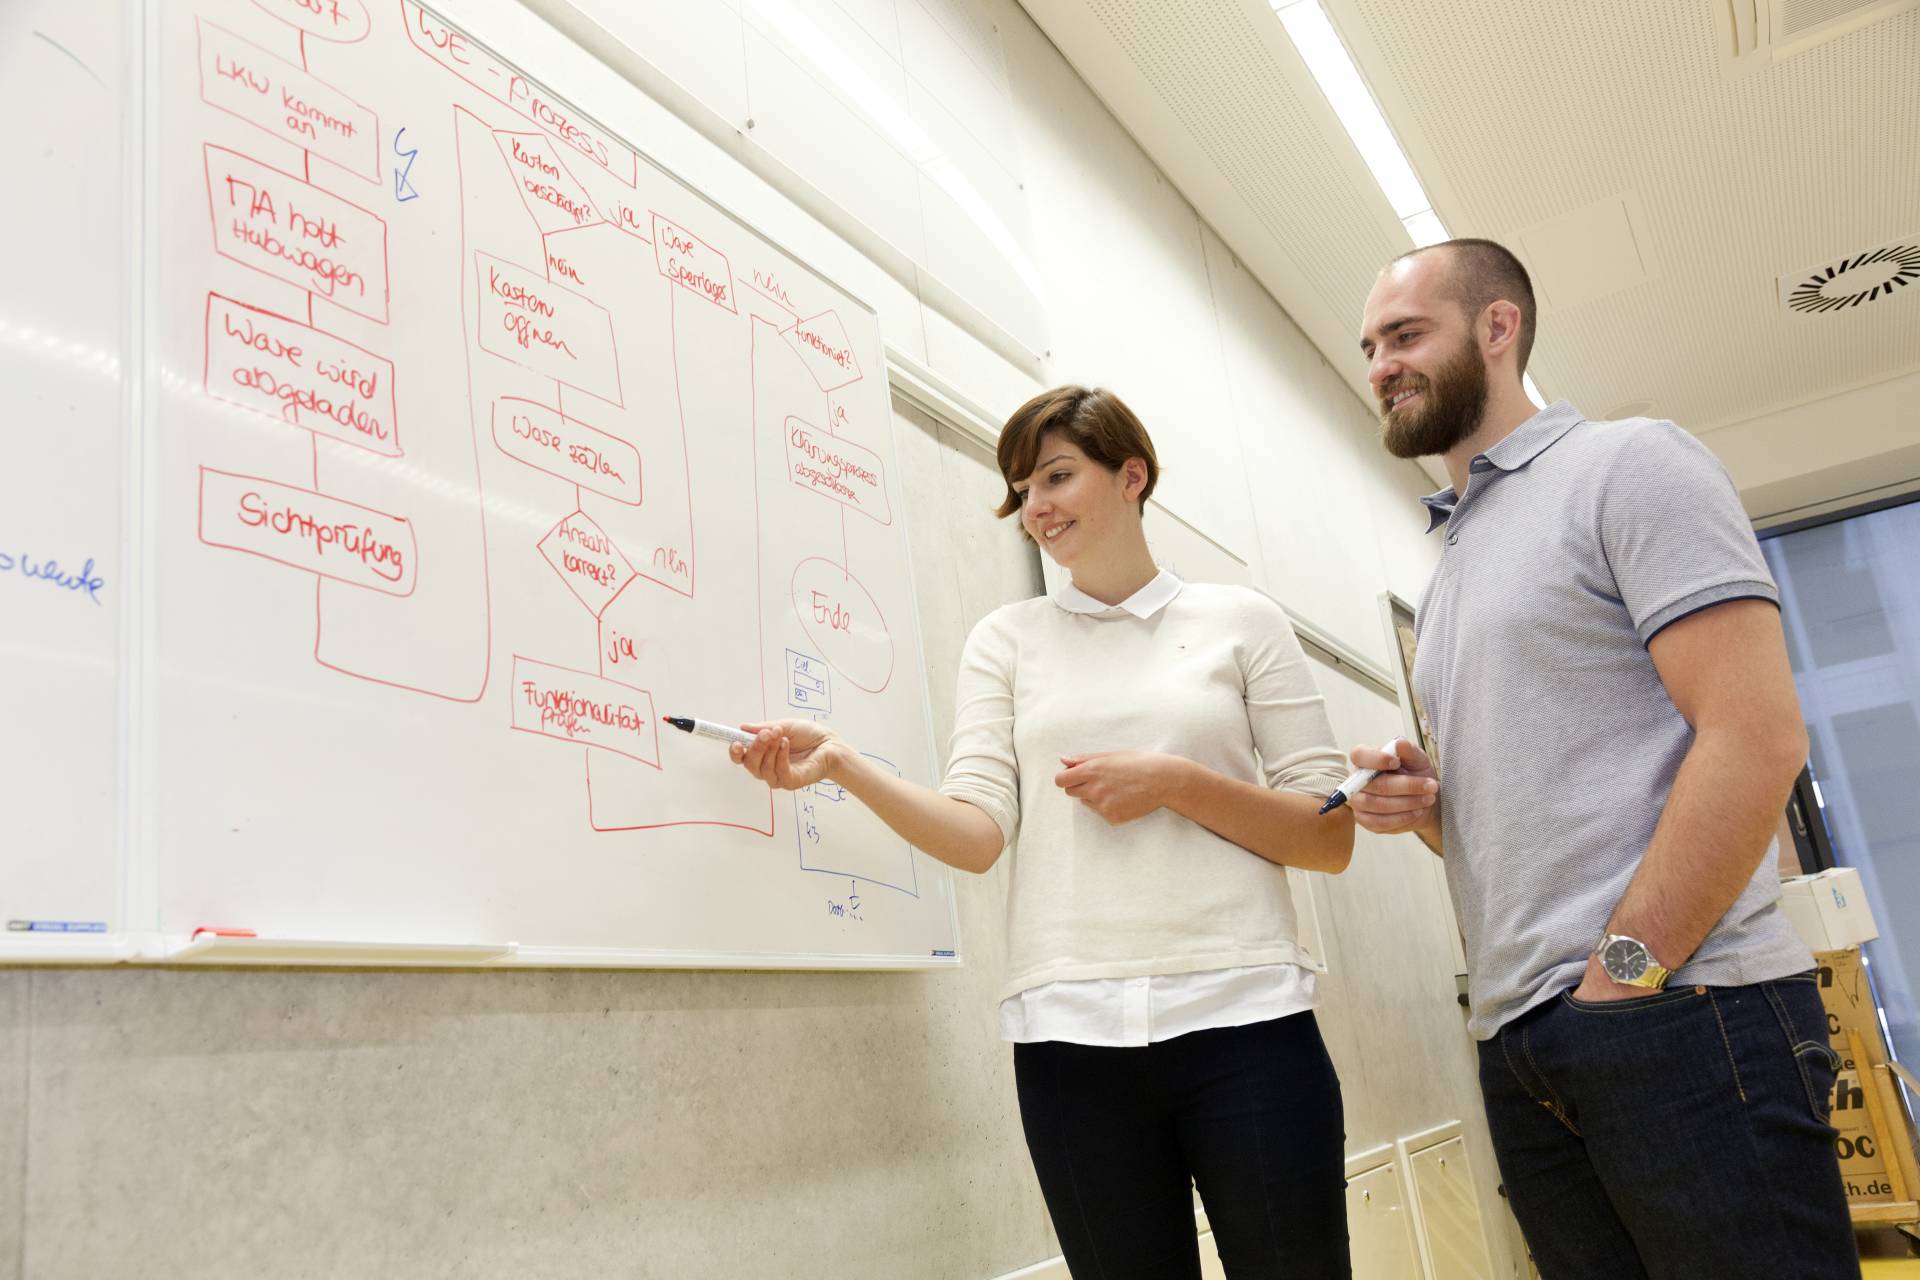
788, 754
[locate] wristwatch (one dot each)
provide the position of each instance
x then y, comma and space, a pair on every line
1629, 962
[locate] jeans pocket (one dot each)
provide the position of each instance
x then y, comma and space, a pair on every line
1803, 1020
1632, 1004
1821, 1067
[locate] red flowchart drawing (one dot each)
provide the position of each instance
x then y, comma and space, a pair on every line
552, 194
287, 102
584, 709
301, 375
616, 202
767, 284
542, 326
341, 21
693, 264
312, 531
549, 441
836, 468
294, 231
587, 561
844, 622
503, 84
825, 349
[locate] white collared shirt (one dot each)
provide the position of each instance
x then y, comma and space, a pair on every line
1134, 1011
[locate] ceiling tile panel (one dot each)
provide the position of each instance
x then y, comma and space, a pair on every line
1222, 78
1520, 114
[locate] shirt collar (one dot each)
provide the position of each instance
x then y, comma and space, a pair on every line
1534, 436
1519, 447
1144, 603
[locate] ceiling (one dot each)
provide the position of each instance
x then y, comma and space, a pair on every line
1668, 188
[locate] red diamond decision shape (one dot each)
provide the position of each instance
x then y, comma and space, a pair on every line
587, 561
825, 349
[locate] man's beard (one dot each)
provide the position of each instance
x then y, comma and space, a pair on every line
1446, 412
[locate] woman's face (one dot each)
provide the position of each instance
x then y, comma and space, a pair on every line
1069, 502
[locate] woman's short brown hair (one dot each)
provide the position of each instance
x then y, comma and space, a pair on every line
1097, 421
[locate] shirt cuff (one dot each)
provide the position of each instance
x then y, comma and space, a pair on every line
1706, 598
1003, 817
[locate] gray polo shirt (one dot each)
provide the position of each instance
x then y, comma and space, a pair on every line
1576, 542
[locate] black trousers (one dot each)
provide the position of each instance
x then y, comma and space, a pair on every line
1250, 1115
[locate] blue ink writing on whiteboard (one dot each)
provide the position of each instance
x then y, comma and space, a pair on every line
809, 820
808, 686
49, 571
402, 188
850, 909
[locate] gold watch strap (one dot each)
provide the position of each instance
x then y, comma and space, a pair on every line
1653, 979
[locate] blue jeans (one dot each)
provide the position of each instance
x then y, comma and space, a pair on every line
1250, 1115
1682, 1135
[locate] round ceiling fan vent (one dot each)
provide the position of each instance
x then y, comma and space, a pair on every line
1852, 281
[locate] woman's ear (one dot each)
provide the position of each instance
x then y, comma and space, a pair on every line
1135, 471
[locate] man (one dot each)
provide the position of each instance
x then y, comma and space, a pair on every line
1601, 654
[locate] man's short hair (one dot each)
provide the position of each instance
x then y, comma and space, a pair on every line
1480, 273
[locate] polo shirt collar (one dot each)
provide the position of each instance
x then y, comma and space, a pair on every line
1534, 436
1520, 446
1144, 603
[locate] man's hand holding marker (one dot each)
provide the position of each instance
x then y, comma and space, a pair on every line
1400, 791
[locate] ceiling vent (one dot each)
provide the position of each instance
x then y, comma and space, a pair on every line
1759, 33
1872, 276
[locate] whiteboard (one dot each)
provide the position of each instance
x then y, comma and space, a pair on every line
473, 444
63, 578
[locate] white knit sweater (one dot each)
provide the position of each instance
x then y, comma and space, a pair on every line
1216, 676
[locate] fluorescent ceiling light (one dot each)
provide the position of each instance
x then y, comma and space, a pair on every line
1339, 79
1426, 228
1319, 44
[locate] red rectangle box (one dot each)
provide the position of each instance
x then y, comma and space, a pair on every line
837, 469
547, 439
593, 711
291, 104
450, 47
526, 318
293, 231
692, 263
335, 539
300, 375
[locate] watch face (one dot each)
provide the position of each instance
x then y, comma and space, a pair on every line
1624, 959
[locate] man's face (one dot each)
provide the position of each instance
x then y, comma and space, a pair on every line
1424, 363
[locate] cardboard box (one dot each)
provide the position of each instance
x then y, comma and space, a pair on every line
1843, 989
1829, 909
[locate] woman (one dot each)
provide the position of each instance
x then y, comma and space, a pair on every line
1153, 753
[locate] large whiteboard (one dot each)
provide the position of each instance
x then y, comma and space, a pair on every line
473, 443
63, 579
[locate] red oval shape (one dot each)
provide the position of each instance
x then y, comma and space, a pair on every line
844, 622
